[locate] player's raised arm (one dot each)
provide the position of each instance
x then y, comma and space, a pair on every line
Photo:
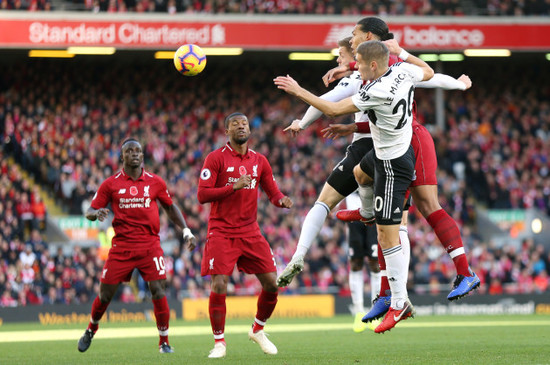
336, 73
395, 49
331, 109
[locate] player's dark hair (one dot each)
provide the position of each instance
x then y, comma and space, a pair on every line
231, 116
376, 26
127, 140
374, 51
345, 42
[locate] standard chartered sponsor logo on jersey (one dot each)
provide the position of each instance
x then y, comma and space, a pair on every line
128, 203
232, 180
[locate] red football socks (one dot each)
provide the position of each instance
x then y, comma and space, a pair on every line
162, 315
448, 233
98, 309
217, 310
266, 305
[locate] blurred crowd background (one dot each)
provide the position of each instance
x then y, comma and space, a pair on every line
62, 122
318, 7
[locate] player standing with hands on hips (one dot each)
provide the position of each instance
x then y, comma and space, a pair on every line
388, 102
133, 193
229, 180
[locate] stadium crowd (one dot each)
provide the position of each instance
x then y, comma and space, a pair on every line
67, 136
324, 7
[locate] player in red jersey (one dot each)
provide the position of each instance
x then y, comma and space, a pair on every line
133, 193
229, 180
423, 189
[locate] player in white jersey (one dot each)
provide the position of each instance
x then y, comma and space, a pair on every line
387, 102
340, 184
423, 189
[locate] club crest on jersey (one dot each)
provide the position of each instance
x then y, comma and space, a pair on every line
146, 191
242, 170
255, 170
133, 190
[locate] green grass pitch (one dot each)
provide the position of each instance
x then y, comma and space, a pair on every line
422, 340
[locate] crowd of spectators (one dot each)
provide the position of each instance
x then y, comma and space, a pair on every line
30, 5
318, 7
64, 127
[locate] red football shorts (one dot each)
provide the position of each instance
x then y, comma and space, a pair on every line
426, 159
251, 254
120, 264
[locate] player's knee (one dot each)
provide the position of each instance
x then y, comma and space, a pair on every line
270, 287
426, 200
219, 286
356, 264
105, 297
157, 290
360, 176
159, 294
373, 265
427, 206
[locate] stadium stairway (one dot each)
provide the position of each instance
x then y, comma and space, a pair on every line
52, 231
51, 206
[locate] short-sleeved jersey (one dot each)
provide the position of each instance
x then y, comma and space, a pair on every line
134, 204
388, 102
234, 212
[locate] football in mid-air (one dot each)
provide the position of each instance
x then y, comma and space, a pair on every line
190, 60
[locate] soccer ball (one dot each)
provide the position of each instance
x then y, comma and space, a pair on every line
189, 60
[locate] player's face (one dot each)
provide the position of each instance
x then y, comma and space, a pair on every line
365, 68
358, 37
238, 129
344, 56
132, 155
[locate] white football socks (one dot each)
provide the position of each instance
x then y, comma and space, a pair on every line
405, 244
356, 284
366, 193
397, 275
375, 278
311, 227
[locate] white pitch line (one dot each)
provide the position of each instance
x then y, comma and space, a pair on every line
151, 331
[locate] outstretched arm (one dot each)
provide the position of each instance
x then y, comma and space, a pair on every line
346, 87
395, 49
446, 82
331, 109
336, 73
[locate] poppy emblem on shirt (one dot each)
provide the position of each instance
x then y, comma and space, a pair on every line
133, 191
242, 170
